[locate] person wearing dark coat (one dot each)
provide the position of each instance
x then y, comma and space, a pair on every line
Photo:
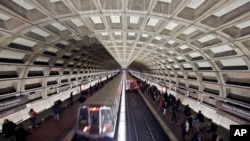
197, 137
184, 129
21, 133
56, 111
174, 114
71, 98
8, 128
187, 111
200, 116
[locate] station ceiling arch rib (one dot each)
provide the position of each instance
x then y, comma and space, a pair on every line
203, 44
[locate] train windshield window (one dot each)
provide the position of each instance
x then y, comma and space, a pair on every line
107, 124
106, 117
83, 116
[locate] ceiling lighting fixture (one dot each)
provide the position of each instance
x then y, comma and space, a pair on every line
96, 20
183, 47
134, 20
144, 35
165, 1
230, 7
171, 42
131, 34
115, 19
189, 31
152, 22
4, 17
157, 38
195, 3
77, 22
59, 26
243, 24
104, 34
25, 42
23, 4
40, 32
206, 38
54, 0
220, 49
118, 33
171, 25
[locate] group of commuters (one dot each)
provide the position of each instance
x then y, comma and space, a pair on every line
15, 132
194, 126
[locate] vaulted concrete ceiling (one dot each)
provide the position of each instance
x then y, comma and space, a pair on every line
189, 41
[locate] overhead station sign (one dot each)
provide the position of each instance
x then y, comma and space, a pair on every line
239, 115
13, 105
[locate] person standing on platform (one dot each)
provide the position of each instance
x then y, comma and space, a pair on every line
187, 111
33, 116
185, 129
174, 114
71, 98
56, 111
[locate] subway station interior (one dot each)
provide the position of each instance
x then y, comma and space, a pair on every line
198, 49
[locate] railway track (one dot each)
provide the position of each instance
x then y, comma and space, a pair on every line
141, 123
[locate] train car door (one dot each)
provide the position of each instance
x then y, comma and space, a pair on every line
94, 120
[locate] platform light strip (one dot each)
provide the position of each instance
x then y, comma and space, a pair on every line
122, 120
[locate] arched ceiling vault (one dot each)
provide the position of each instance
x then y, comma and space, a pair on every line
200, 44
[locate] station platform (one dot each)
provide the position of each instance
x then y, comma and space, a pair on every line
56, 130
63, 129
174, 130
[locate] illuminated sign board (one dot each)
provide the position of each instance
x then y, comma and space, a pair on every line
242, 113
13, 102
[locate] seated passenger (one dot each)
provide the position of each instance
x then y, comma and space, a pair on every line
8, 128
21, 133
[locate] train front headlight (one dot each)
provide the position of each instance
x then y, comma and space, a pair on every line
107, 128
104, 129
85, 129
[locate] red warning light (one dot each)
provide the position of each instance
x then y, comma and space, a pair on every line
94, 109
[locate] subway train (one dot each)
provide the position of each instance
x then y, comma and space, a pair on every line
131, 83
97, 117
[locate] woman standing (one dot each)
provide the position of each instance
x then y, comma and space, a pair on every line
33, 116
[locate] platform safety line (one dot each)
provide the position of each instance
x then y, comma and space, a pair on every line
122, 121
167, 131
